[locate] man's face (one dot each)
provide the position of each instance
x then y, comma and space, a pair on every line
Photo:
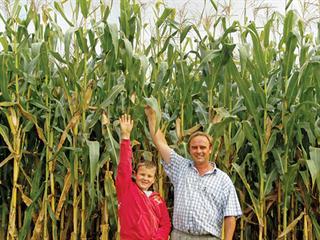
145, 177
200, 150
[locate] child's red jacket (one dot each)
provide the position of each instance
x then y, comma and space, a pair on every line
141, 217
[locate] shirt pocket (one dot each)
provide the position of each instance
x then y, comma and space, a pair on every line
214, 197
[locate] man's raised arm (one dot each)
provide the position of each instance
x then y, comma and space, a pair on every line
158, 137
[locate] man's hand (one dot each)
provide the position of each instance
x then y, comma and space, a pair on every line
152, 118
126, 125
158, 137
150, 113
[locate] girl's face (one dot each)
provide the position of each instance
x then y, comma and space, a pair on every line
145, 177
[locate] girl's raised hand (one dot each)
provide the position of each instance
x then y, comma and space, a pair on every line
126, 125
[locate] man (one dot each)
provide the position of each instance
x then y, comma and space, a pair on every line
204, 196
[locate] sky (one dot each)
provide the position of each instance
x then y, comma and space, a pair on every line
254, 10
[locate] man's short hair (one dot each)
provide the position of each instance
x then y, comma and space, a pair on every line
199, 133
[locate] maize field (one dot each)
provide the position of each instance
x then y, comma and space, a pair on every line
256, 90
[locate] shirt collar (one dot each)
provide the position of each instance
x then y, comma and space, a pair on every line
212, 171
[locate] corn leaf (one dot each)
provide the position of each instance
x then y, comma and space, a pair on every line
4, 132
32, 118
240, 170
164, 16
82, 41
314, 164
184, 32
59, 8
291, 226
114, 92
4, 93
290, 56
85, 6
94, 155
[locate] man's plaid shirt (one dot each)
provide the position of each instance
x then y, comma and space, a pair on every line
200, 202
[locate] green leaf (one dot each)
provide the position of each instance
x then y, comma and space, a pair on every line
85, 6
292, 89
160, 77
210, 55
113, 94
114, 36
305, 178
82, 41
202, 114
94, 155
240, 169
249, 133
112, 147
314, 164
4, 43
244, 87
214, 4
244, 50
288, 4
218, 129
278, 160
166, 44
290, 56
238, 139
184, 32
315, 225
289, 21
111, 197
44, 59
4, 132
271, 177
16, 9
144, 64
163, 17
67, 42
128, 47
124, 16
36, 192
289, 179
226, 118
51, 214
57, 56
272, 141
299, 110
266, 31
33, 119
59, 8
258, 52
4, 80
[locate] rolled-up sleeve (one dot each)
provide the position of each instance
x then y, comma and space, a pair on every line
233, 207
175, 166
